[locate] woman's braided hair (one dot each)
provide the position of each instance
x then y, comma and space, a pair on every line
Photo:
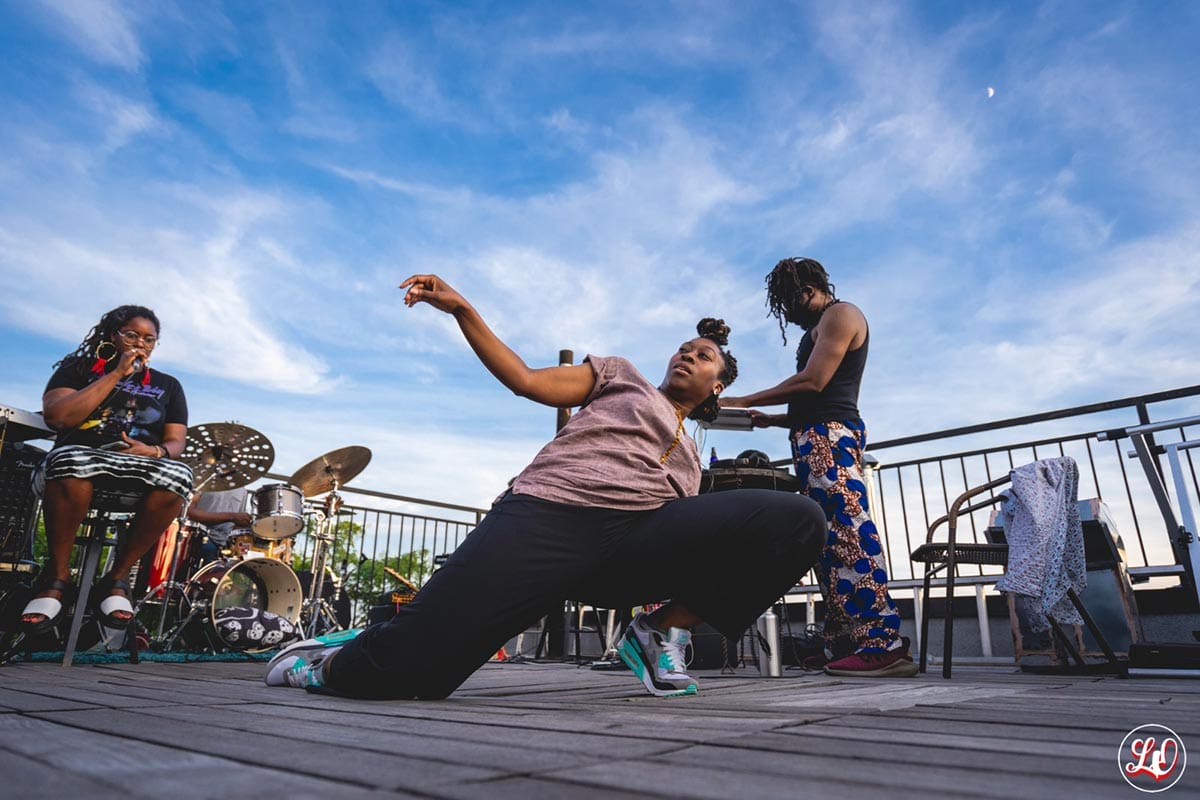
103, 331
788, 280
717, 332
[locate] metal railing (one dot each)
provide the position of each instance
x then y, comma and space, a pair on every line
912, 484
912, 492
371, 540
909, 491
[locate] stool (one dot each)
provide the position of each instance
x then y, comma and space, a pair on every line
100, 529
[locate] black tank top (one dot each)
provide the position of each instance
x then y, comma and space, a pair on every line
838, 401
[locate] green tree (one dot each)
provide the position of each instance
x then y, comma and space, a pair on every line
365, 578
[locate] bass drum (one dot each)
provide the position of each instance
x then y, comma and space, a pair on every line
255, 585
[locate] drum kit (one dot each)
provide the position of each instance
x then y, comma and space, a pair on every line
253, 579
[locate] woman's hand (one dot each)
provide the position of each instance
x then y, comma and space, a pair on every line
432, 290
137, 448
125, 367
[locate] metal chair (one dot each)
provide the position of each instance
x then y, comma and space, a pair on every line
938, 556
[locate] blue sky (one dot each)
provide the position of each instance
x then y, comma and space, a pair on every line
597, 177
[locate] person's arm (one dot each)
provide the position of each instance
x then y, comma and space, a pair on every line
239, 518
174, 439
760, 420
562, 387
64, 408
836, 331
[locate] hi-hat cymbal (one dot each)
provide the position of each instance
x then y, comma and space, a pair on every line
334, 469
226, 455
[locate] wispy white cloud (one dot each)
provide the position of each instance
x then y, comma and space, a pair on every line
206, 282
104, 29
119, 117
405, 74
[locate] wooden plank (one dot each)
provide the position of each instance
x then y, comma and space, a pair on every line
855, 770
15, 700
583, 740
525, 788
1062, 749
1094, 718
514, 755
714, 778
1012, 728
896, 749
114, 765
31, 780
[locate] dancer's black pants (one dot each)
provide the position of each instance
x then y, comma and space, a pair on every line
726, 556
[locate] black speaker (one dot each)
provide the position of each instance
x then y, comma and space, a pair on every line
711, 650
18, 504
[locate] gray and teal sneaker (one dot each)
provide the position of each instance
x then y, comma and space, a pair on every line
658, 658
303, 664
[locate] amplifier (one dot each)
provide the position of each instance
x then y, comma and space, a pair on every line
18, 504
387, 605
1165, 655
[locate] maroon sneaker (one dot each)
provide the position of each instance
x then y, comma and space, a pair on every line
814, 663
892, 664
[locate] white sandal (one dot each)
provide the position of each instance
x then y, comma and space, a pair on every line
49, 608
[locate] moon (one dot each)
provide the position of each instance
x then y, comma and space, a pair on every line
991, 92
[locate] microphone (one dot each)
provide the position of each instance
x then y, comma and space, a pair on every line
139, 364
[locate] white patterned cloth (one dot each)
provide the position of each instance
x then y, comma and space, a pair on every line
115, 474
1045, 541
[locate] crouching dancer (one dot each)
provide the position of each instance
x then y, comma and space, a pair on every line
607, 513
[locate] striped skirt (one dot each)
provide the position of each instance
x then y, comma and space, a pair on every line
119, 479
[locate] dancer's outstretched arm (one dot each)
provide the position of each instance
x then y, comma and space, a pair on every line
562, 387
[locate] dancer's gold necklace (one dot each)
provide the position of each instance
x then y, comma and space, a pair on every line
678, 435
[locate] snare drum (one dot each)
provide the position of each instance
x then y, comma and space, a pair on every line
278, 511
264, 584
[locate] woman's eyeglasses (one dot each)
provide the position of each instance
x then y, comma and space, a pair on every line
132, 337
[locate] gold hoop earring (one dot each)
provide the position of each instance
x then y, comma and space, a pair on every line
103, 357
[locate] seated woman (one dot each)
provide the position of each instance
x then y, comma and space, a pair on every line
606, 513
120, 426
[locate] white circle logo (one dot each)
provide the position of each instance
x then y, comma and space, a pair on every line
1152, 758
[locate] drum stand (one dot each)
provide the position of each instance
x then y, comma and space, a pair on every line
166, 588
320, 616
171, 585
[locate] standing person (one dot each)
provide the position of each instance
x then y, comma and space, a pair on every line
606, 513
120, 425
827, 436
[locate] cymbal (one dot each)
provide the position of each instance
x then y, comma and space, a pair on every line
226, 455
331, 470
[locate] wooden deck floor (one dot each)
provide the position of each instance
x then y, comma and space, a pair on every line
175, 731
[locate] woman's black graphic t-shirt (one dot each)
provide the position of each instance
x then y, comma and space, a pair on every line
137, 410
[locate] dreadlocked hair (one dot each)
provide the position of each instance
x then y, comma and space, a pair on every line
103, 331
788, 280
717, 332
